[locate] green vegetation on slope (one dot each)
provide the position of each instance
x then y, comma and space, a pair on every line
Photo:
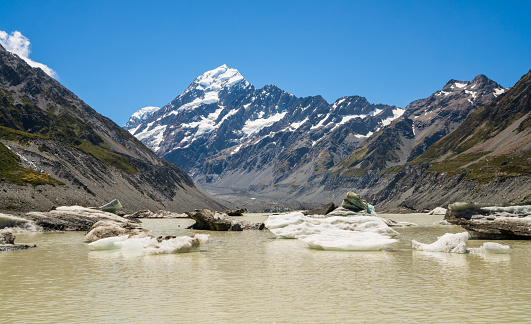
482, 125
12, 172
26, 121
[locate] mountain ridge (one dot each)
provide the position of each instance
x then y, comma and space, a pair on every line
47, 131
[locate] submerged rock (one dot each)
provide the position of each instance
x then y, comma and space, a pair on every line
236, 212
492, 222
214, 221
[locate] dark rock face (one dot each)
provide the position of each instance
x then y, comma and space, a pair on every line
322, 210
213, 221
492, 222
55, 136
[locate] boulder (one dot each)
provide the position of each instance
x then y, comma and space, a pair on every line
71, 218
214, 221
236, 212
157, 214
7, 236
7, 241
108, 228
322, 210
354, 202
492, 222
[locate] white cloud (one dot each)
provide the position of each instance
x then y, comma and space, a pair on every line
20, 45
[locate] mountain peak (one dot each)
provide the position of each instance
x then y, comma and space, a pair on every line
218, 78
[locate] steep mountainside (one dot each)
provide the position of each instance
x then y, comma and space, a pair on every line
228, 134
424, 122
55, 149
486, 159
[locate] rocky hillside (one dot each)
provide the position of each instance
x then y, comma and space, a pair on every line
486, 159
424, 122
56, 150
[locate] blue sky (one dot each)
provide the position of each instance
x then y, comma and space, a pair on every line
120, 56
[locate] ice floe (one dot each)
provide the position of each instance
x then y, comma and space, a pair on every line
150, 245
333, 233
456, 243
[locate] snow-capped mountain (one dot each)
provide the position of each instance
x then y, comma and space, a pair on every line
221, 123
138, 117
266, 142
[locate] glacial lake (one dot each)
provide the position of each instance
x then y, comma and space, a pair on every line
251, 277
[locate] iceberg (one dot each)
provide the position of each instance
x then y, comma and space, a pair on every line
341, 240
150, 245
108, 243
456, 243
352, 233
491, 248
449, 243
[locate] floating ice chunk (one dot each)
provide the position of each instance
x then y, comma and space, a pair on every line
341, 240
150, 245
351, 233
181, 244
283, 220
491, 248
449, 243
107, 243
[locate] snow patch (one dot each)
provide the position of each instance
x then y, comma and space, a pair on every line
499, 91
254, 126
152, 137
144, 113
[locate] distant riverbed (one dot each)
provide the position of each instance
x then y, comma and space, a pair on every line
250, 276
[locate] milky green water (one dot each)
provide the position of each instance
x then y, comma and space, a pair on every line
251, 277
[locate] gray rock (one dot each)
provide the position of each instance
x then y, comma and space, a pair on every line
492, 222
71, 218
214, 221
108, 228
